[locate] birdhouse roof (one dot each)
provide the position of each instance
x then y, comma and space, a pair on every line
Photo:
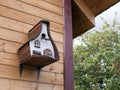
36, 30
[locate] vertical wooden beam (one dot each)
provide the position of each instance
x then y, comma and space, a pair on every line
68, 52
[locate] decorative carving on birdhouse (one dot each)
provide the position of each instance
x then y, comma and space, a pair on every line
40, 50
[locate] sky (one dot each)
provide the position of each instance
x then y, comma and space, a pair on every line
108, 15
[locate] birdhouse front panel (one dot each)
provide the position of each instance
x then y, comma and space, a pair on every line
42, 44
17, 18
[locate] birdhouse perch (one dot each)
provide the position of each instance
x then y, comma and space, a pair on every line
39, 50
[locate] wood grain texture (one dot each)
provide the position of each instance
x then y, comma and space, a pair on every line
81, 15
98, 6
24, 17
80, 29
44, 5
32, 10
9, 59
9, 84
22, 27
14, 25
13, 36
55, 67
30, 74
56, 2
8, 46
24, 53
87, 12
17, 17
68, 47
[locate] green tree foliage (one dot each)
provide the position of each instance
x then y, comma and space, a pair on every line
97, 59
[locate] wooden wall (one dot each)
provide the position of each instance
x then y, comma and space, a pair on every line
17, 17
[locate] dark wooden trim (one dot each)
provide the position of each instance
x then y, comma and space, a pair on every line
68, 51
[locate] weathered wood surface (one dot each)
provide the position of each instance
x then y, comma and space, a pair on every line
98, 6
56, 2
87, 12
30, 74
23, 28
17, 17
26, 8
10, 84
26, 18
45, 5
83, 17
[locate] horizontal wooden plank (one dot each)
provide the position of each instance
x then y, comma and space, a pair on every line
12, 59
49, 87
15, 4
57, 37
22, 37
30, 74
9, 84
58, 87
56, 2
61, 58
52, 78
12, 47
9, 59
55, 67
8, 46
60, 47
14, 25
23, 17
44, 5
13, 36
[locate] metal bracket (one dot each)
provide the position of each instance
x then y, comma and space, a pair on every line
38, 74
20, 69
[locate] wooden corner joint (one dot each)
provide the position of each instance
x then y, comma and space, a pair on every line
87, 12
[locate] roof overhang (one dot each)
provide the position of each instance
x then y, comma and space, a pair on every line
84, 12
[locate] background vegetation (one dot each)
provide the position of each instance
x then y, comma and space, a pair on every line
97, 59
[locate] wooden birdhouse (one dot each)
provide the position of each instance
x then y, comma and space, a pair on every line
40, 50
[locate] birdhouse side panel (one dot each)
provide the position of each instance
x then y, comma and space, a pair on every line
24, 52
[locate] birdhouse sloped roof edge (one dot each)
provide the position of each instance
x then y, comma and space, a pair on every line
36, 30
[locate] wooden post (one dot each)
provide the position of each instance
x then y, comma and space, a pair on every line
68, 52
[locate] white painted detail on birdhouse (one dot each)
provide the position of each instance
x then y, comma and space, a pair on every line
37, 43
42, 44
